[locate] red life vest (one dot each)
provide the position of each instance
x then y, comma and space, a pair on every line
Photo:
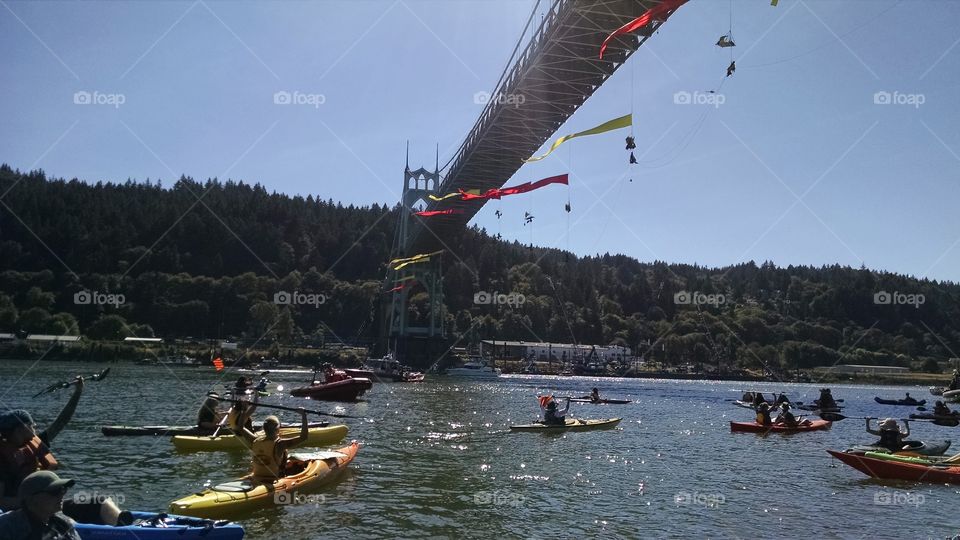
18, 462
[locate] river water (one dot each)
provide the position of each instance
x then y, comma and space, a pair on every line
439, 462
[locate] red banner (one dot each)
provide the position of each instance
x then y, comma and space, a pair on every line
428, 213
516, 190
658, 12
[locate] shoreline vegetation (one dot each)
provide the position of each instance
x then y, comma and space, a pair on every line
351, 357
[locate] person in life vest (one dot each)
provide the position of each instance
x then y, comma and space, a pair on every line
595, 395
240, 413
891, 437
763, 414
39, 515
24, 451
552, 414
270, 450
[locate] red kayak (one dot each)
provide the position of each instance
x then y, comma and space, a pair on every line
753, 427
344, 390
897, 470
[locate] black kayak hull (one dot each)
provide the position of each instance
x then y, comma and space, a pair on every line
170, 431
900, 402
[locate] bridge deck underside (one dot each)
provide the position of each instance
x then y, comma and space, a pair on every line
555, 74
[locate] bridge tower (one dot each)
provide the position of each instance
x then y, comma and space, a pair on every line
415, 341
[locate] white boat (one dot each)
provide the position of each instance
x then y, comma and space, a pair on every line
476, 368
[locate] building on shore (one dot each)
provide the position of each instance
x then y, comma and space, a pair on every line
554, 352
868, 370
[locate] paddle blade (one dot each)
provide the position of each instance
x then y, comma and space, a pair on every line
832, 417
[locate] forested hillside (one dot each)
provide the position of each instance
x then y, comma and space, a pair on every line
206, 259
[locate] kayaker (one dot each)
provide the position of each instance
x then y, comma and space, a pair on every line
758, 399
270, 450
940, 409
826, 400
552, 414
241, 408
595, 395
40, 515
23, 451
955, 382
909, 399
782, 398
763, 414
209, 417
786, 417
891, 436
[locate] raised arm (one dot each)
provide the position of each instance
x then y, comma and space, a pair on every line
66, 414
870, 431
906, 424
304, 432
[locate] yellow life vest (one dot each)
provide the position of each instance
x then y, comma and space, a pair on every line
269, 458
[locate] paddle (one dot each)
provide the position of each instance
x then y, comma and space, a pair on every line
836, 417
57, 386
294, 409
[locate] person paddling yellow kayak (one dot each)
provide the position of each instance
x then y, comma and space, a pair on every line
270, 450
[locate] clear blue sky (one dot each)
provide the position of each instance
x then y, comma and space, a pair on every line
878, 184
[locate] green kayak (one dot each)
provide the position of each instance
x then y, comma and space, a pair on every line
571, 425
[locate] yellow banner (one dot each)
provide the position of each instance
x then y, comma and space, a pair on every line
418, 261
454, 194
616, 123
400, 263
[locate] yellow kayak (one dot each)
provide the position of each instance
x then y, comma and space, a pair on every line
244, 495
320, 436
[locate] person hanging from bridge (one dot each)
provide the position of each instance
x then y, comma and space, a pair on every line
731, 68
553, 415
498, 213
891, 436
527, 218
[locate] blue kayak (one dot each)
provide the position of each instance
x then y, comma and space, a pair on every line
153, 526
